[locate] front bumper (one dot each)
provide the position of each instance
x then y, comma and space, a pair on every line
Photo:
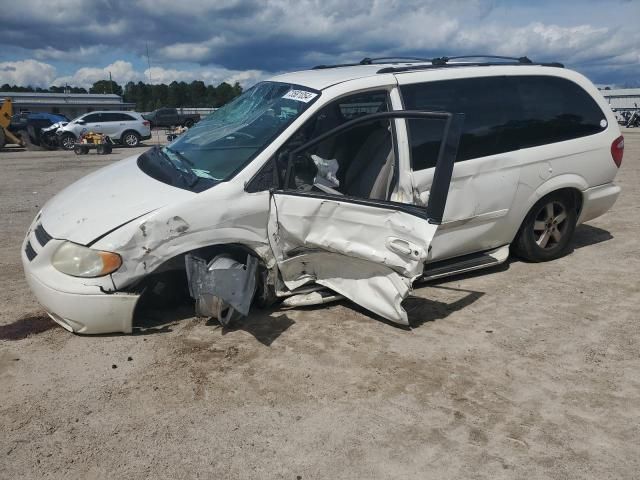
86, 313
80, 305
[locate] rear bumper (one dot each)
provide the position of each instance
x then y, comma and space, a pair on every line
145, 137
598, 200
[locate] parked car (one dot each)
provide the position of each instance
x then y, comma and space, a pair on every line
126, 128
169, 117
334, 182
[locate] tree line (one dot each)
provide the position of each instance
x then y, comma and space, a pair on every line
148, 97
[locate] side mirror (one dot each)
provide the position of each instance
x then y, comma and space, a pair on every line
80, 122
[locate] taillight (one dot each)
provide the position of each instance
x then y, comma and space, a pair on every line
146, 124
617, 150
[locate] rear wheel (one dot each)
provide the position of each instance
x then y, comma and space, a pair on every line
547, 229
130, 139
188, 123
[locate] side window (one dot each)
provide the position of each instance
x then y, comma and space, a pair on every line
93, 118
488, 103
110, 117
555, 109
342, 157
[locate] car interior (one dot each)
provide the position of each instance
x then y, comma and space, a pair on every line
358, 162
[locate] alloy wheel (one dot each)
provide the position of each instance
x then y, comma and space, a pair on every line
550, 225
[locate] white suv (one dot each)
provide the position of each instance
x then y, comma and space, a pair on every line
341, 181
126, 128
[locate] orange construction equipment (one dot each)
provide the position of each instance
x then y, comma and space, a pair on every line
6, 111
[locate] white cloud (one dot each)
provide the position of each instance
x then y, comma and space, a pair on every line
121, 73
27, 72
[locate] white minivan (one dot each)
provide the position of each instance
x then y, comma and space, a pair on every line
340, 181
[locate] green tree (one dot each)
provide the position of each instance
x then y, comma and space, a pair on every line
106, 86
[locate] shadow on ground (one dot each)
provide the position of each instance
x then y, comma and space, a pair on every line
26, 326
586, 235
261, 324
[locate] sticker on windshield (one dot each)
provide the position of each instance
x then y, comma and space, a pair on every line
300, 95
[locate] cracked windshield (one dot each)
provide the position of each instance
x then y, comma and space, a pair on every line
224, 142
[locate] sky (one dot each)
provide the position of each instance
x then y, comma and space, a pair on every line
77, 42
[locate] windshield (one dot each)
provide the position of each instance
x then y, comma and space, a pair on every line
221, 144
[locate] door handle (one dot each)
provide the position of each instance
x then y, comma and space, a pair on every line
402, 247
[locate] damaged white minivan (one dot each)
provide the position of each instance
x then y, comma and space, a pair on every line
343, 181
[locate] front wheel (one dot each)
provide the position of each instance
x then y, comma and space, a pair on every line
547, 229
130, 139
188, 123
68, 141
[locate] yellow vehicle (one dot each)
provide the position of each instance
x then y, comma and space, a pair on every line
6, 112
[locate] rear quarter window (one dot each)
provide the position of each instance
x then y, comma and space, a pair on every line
502, 114
553, 110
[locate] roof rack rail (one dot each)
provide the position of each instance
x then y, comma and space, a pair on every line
439, 62
436, 64
444, 60
371, 61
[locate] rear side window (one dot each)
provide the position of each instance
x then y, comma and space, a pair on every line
555, 109
502, 114
489, 104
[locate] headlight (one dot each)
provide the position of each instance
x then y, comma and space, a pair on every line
79, 261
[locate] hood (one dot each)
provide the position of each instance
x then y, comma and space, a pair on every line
106, 199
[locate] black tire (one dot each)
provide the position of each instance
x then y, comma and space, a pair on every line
547, 230
67, 141
78, 150
2, 137
130, 139
188, 123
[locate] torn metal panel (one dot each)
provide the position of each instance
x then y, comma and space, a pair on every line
374, 287
369, 254
379, 235
221, 280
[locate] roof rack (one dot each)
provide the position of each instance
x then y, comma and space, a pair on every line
372, 61
439, 62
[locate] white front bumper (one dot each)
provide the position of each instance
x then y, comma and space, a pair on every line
86, 313
80, 305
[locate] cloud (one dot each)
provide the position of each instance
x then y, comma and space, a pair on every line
38, 74
276, 35
27, 72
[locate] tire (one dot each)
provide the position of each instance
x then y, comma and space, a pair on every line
130, 139
78, 150
547, 230
2, 139
188, 123
67, 141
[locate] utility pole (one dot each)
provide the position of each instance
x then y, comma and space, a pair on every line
110, 83
148, 63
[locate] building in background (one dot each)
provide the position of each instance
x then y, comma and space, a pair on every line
69, 104
622, 99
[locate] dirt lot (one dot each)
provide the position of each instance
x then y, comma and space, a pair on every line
524, 371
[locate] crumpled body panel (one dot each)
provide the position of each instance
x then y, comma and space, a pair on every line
369, 253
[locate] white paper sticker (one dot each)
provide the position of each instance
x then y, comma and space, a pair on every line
300, 95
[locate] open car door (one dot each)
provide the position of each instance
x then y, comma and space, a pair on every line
369, 251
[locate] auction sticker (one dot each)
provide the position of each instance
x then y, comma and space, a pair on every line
300, 95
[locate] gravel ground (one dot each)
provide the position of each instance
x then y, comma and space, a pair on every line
522, 371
